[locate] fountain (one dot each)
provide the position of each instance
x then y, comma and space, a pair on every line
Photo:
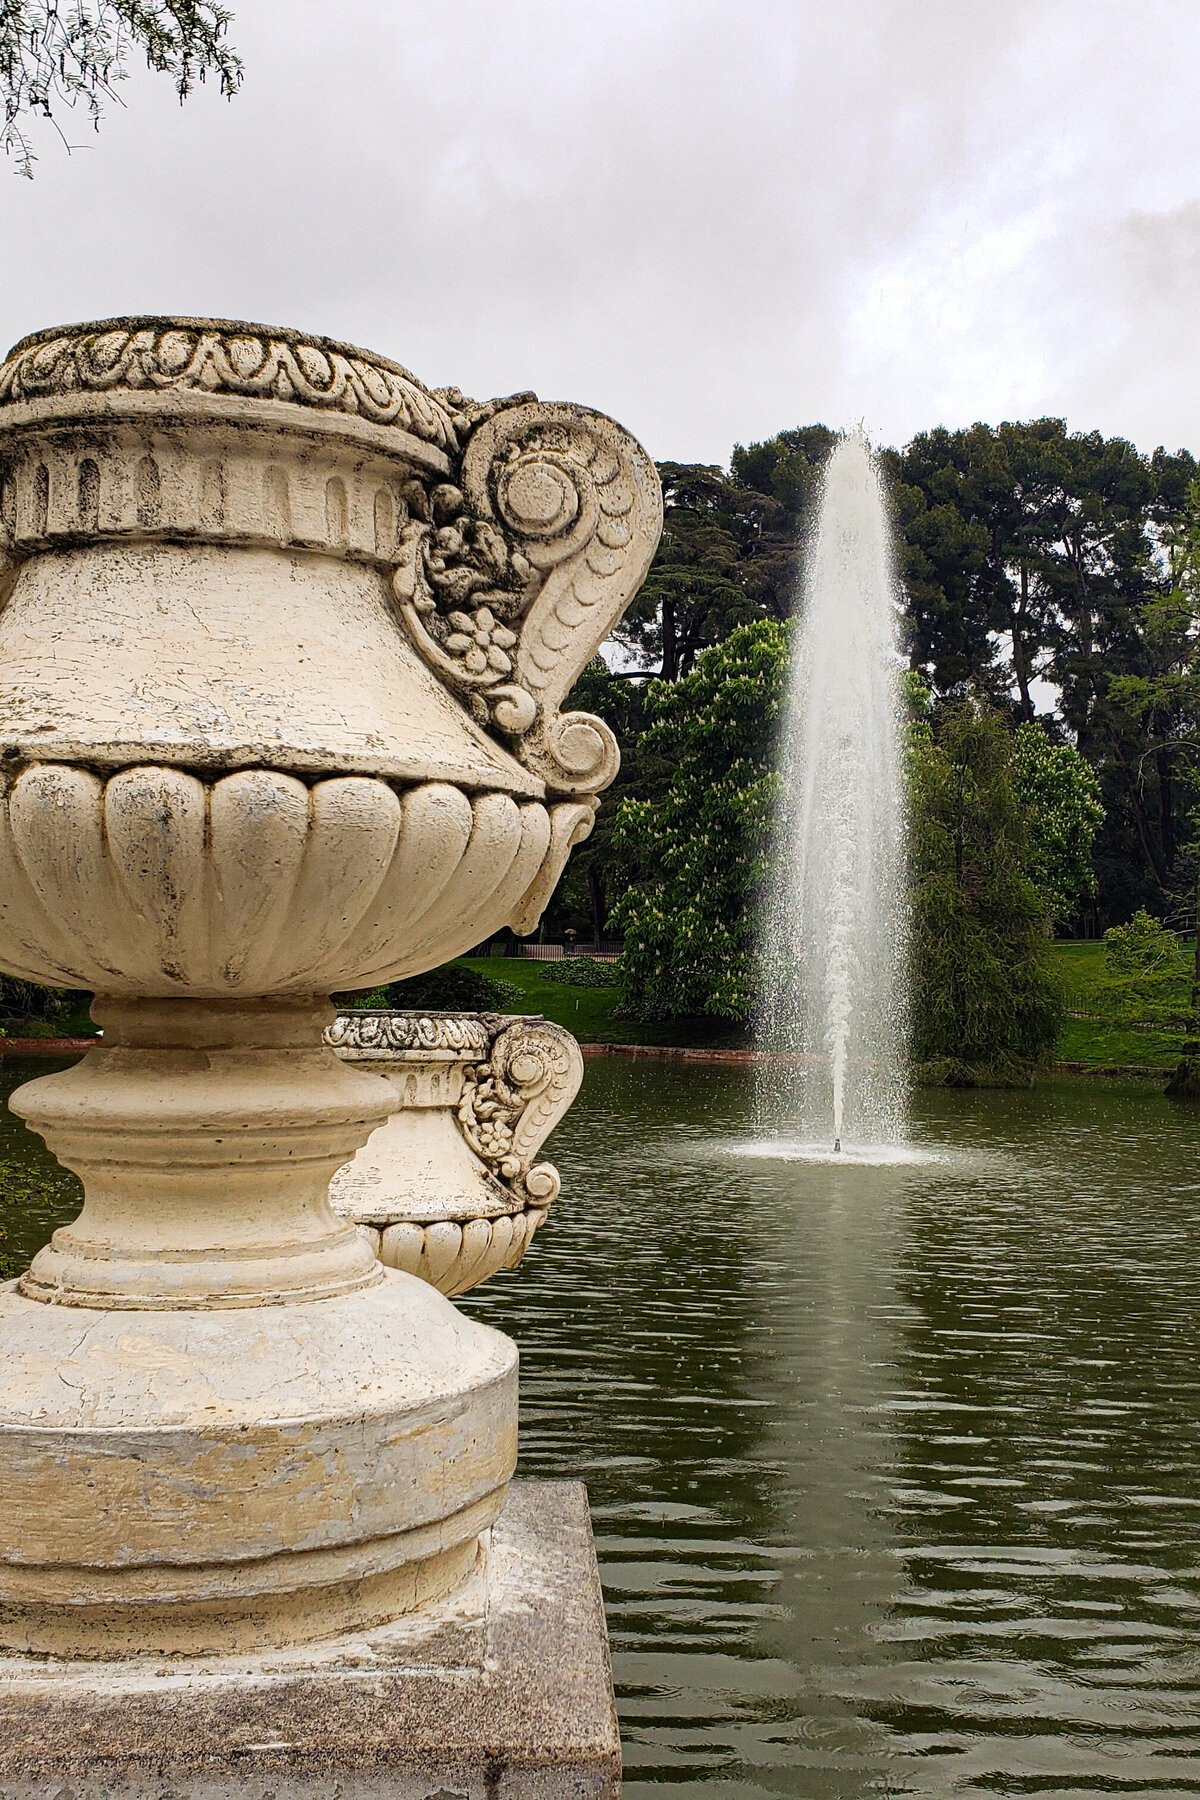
834, 931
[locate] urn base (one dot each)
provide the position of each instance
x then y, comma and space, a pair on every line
181, 1482
502, 1692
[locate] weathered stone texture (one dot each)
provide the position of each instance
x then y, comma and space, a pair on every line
502, 1692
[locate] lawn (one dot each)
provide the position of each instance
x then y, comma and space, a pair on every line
587, 1013
1090, 1040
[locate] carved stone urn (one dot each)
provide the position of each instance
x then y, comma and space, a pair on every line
448, 1187
283, 641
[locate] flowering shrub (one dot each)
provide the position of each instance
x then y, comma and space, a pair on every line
701, 852
1059, 788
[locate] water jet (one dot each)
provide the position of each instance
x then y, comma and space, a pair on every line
834, 929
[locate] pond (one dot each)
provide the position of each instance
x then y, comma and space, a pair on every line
895, 1471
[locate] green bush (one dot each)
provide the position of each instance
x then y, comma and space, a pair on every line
1147, 977
452, 988
26, 1001
583, 971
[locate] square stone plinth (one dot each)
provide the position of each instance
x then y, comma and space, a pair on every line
502, 1692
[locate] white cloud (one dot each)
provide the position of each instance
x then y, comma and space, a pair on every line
711, 221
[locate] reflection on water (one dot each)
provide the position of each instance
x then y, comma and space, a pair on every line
894, 1469
36, 1193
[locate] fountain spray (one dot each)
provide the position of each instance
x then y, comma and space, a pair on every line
834, 938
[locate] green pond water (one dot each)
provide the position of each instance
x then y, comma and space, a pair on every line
895, 1472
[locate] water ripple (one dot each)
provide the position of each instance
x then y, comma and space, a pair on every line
893, 1469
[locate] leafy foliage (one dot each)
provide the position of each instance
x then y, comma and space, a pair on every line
1061, 792
986, 996
27, 1010
452, 988
583, 972
728, 551
985, 991
698, 854
1031, 553
1147, 977
54, 56
599, 868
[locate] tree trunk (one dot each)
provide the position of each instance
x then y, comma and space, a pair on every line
670, 641
1017, 619
1164, 764
1133, 795
598, 898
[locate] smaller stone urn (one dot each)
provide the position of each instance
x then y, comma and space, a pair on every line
448, 1188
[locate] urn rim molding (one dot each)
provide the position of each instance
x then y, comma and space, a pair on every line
163, 353
494, 544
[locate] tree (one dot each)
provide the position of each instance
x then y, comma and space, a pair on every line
993, 814
1033, 558
52, 57
729, 548
1062, 794
698, 853
1152, 710
1149, 981
1147, 978
696, 592
986, 1002
1036, 554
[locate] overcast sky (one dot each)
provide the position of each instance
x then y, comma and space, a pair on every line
711, 219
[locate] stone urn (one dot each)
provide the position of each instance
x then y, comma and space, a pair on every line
447, 1187
284, 638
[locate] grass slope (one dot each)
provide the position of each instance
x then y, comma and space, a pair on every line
1090, 1040
587, 1013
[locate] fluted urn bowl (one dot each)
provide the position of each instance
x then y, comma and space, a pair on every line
156, 881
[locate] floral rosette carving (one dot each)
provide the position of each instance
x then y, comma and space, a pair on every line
462, 589
510, 578
512, 1102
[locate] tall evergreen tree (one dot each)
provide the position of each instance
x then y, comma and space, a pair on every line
985, 996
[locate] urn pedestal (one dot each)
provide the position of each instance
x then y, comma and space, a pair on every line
283, 642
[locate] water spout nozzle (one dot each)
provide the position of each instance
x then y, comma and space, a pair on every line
837, 1146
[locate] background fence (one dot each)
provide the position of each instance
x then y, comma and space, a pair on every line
606, 950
